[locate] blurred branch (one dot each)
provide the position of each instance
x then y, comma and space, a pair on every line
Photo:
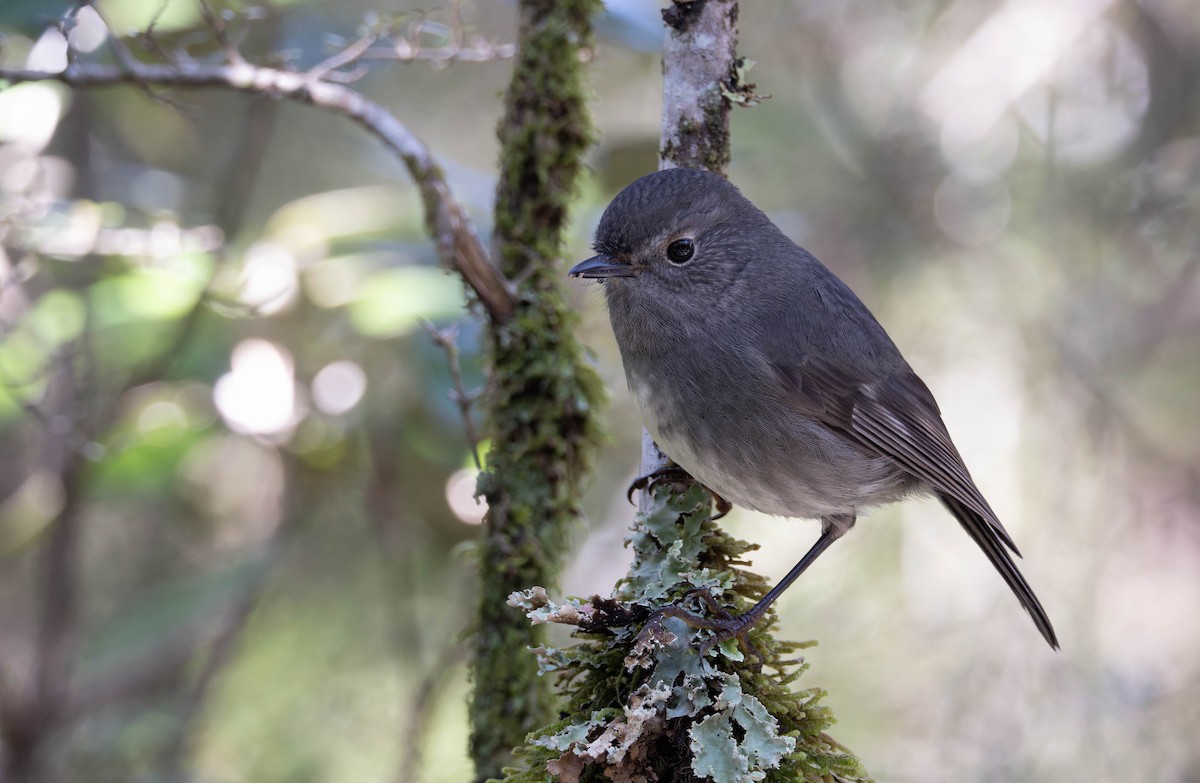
351, 54
461, 48
30, 718
423, 706
405, 51
233, 197
217, 25
458, 244
219, 655
477, 50
447, 339
1113, 412
59, 575
160, 665
1173, 70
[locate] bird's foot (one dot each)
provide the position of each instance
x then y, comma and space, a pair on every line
673, 474
723, 625
723, 505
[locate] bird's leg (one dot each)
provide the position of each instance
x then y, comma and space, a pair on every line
674, 473
730, 627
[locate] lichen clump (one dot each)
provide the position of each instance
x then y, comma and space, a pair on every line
643, 704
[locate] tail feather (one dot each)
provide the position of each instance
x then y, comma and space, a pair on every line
984, 534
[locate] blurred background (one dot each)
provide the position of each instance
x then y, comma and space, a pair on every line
212, 365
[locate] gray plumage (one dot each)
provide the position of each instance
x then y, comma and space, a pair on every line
761, 374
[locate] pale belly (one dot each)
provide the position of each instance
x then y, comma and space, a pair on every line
779, 464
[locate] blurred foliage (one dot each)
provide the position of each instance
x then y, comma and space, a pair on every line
270, 571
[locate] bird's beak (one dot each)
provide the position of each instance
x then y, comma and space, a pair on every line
601, 266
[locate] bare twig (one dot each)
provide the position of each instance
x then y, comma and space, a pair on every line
124, 55
477, 50
448, 340
346, 56
127, 59
220, 32
409, 47
458, 245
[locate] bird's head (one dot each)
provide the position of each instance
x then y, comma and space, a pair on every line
678, 231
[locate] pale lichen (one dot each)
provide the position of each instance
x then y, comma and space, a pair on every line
643, 704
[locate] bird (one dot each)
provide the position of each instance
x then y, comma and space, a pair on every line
762, 375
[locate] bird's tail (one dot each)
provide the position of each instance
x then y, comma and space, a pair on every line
985, 536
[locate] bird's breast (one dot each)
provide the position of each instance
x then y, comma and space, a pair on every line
718, 423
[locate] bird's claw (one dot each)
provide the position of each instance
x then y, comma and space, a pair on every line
723, 625
723, 505
671, 473
674, 473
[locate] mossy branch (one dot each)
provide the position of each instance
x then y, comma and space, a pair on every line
543, 427
642, 702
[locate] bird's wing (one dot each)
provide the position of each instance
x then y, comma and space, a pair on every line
894, 416
897, 417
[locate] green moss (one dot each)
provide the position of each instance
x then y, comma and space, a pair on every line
544, 394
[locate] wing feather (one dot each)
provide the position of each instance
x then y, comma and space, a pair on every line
896, 417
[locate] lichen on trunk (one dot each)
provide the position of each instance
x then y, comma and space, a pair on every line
644, 704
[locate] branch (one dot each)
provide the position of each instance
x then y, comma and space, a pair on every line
477, 51
421, 710
699, 60
220, 654
446, 339
544, 396
408, 47
458, 245
219, 31
699, 67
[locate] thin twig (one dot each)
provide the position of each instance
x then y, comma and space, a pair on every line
220, 32
405, 51
447, 339
124, 55
126, 58
346, 56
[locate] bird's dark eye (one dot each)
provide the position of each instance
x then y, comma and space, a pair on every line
679, 251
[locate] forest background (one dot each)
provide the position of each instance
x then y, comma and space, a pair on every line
1013, 188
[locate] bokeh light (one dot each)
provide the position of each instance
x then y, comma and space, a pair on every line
258, 395
338, 387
